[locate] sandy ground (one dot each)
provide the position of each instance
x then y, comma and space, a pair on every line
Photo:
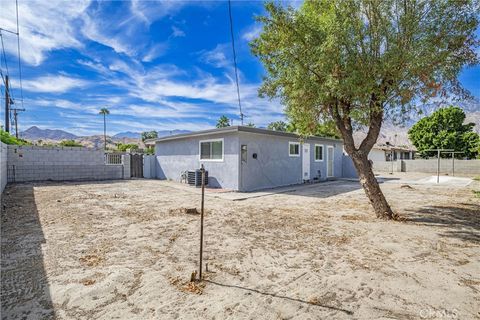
126, 250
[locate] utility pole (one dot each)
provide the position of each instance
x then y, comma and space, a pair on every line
7, 106
15, 118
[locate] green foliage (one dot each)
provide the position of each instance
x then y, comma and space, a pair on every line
476, 193
149, 135
126, 146
277, 126
251, 125
325, 129
358, 61
223, 122
445, 129
69, 143
149, 150
6, 138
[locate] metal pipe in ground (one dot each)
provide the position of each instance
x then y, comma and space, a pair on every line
202, 169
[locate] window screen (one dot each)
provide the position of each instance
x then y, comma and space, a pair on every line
319, 153
294, 149
211, 150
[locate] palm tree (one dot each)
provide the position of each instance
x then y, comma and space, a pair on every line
104, 111
223, 122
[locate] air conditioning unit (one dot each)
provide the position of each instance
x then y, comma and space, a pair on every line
194, 178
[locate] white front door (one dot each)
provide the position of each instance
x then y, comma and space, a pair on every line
306, 162
329, 161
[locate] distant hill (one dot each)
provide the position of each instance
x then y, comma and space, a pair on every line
138, 135
34, 133
165, 133
474, 117
128, 134
49, 136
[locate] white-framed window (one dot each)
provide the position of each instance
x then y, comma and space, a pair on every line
211, 150
294, 149
318, 152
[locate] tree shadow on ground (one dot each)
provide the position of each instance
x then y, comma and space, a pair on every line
24, 283
461, 222
274, 295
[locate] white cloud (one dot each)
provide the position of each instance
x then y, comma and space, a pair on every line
102, 30
53, 84
150, 11
44, 26
218, 56
155, 52
126, 31
177, 32
252, 33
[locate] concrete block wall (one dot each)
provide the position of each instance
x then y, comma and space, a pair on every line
3, 166
464, 167
33, 163
126, 166
387, 166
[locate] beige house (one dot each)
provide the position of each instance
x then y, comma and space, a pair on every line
389, 152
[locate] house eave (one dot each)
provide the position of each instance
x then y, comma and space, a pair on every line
236, 129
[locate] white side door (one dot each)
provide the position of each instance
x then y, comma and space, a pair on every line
306, 161
330, 154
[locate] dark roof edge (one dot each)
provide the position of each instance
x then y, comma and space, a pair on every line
235, 129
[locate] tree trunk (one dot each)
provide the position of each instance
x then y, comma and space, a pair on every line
360, 155
370, 186
104, 132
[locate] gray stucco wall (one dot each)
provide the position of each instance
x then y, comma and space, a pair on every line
149, 166
176, 156
3, 167
315, 166
348, 168
33, 163
275, 167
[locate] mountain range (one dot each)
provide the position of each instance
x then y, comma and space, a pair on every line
49, 136
396, 135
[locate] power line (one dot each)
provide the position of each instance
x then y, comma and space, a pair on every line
235, 59
6, 67
19, 55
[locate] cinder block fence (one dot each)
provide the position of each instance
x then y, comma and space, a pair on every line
33, 163
447, 166
3, 166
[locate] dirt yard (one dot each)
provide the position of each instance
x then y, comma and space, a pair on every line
126, 250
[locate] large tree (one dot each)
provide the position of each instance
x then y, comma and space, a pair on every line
326, 128
445, 129
358, 61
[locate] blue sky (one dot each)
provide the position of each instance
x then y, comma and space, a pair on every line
155, 65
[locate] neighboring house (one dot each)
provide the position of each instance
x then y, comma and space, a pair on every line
245, 159
388, 152
392, 143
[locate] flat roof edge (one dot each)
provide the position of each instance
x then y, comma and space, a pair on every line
231, 129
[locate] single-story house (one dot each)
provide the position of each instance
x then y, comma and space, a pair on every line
389, 152
246, 159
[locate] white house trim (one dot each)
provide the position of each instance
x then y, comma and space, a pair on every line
211, 140
315, 151
299, 151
